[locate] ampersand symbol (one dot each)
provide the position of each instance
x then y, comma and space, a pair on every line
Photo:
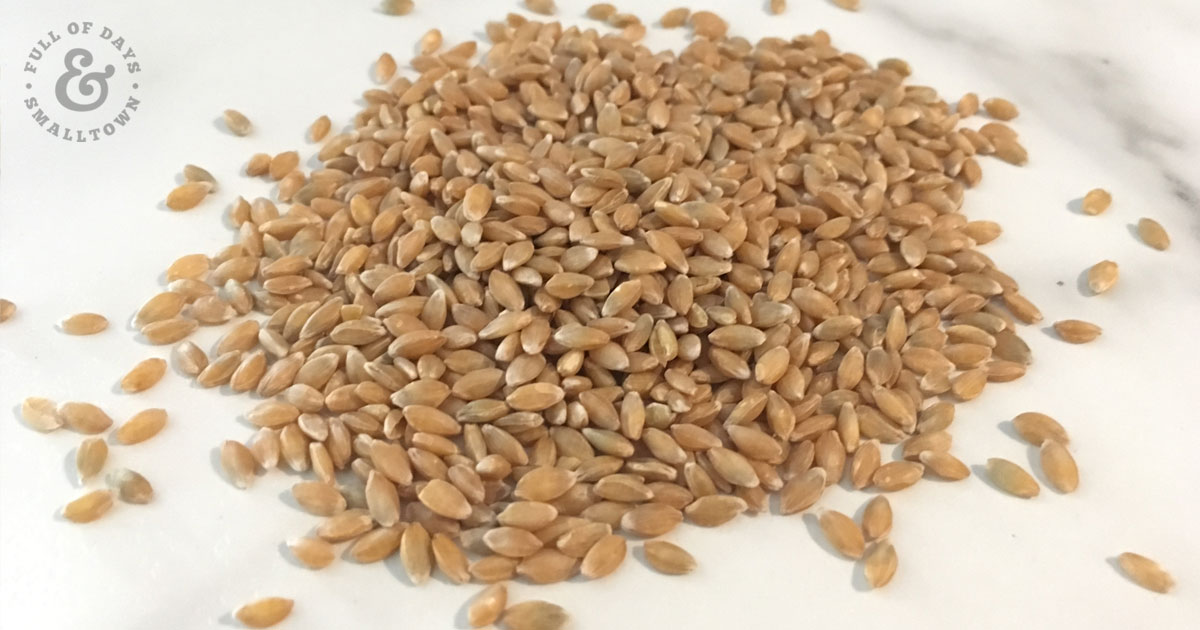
87, 83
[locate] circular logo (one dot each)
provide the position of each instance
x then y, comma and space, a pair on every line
81, 82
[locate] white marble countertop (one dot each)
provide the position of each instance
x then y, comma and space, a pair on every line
1107, 97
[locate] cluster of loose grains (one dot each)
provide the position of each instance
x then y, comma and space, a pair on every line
92, 454
1102, 276
581, 291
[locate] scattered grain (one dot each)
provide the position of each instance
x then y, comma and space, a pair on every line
90, 457
237, 123
843, 533
1145, 572
1096, 201
535, 615
1076, 331
397, 7
1059, 466
668, 557
877, 518
1000, 109
144, 375
1036, 428
1011, 478
130, 486
84, 417
40, 414
265, 612
1102, 276
83, 324
313, 553
142, 426
880, 564
88, 507
1153, 234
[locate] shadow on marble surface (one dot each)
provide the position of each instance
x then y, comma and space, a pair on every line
1076, 206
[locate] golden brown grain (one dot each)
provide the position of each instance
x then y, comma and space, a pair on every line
257, 165
83, 324
877, 518
651, 519
1102, 276
604, 557
673, 18
708, 25
375, 545
144, 375
169, 330
842, 533
865, 462
894, 476
345, 526
90, 457
193, 173
415, 553
545, 483
238, 463
142, 426
1076, 330
545, 7
7, 308
84, 417
802, 492
601, 11
319, 128
547, 566
1000, 109
1011, 478
880, 564
265, 612
1153, 234
968, 105
444, 499
130, 486
1145, 572
187, 196
1035, 427
397, 7
313, 553
714, 510
487, 606
385, 68
318, 498
430, 42
237, 123
944, 465
668, 557
1096, 201
450, 559
535, 615
191, 266
162, 306
88, 507
1059, 466
40, 414
494, 568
